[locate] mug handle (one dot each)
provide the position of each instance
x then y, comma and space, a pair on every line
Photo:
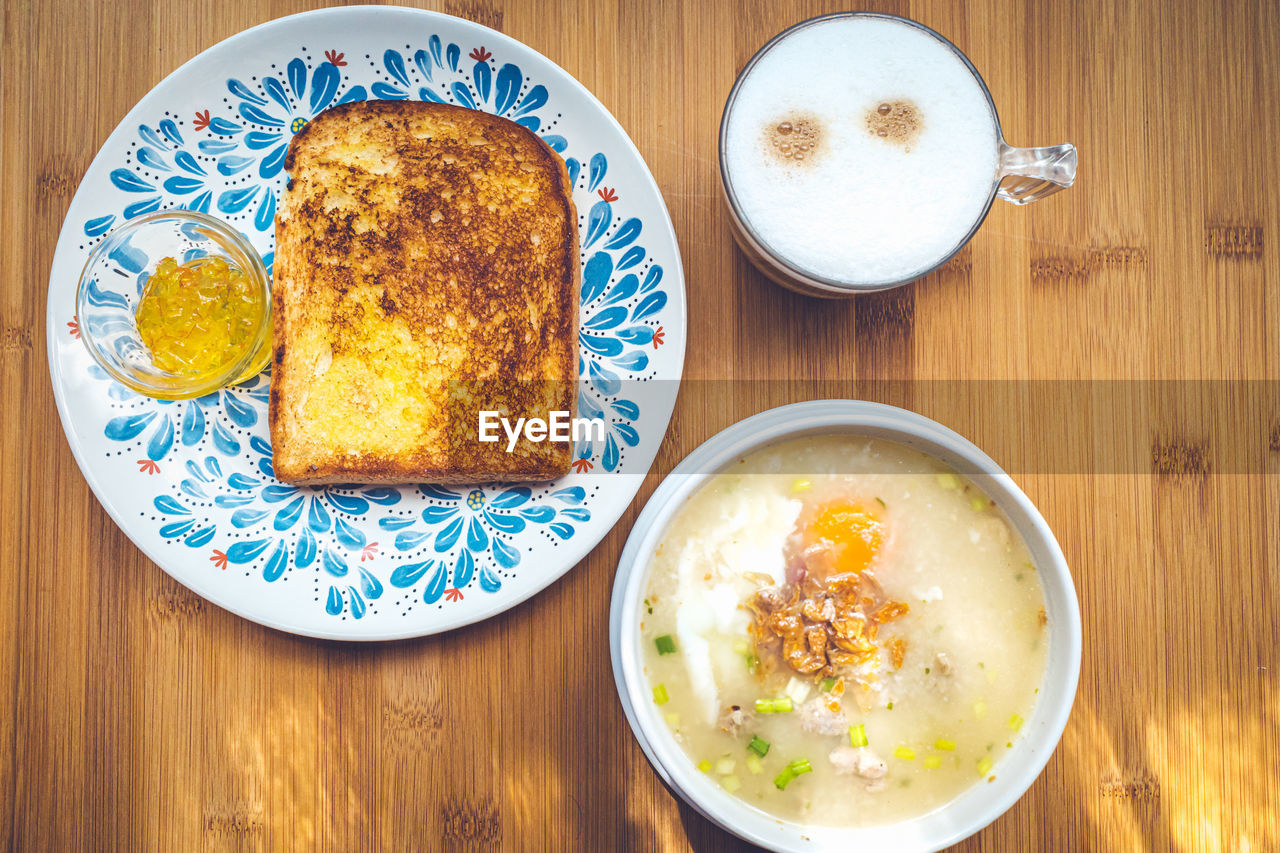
1030, 174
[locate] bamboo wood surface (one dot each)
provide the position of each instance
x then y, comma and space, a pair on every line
134, 715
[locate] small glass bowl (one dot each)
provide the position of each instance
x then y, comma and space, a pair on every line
112, 283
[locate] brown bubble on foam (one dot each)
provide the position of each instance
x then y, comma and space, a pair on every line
898, 122
794, 139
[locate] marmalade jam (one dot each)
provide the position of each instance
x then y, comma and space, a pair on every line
197, 317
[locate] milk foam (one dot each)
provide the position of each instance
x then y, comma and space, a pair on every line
862, 209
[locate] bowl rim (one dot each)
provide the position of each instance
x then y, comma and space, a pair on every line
978, 805
250, 263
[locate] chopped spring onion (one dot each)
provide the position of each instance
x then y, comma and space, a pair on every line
889, 706
741, 647
730, 783
725, 766
759, 746
801, 485
754, 765
791, 771
906, 753
752, 662
858, 735
980, 709
984, 766
882, 503
827, 684
948, 481
673, 720
978, 504
704, 766
932, 762
781, 705
944, 745
660, 696
666, 644
1015, 722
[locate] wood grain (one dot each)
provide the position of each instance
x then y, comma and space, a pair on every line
1114, 346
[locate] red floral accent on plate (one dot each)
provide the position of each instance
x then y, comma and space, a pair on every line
607, 194
202, 120
480, 54
148, 466
582, 465
368, 552
453, 594
335, 58
219, 559
73, 327
657, 338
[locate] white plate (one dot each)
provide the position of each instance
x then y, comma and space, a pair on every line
190, 482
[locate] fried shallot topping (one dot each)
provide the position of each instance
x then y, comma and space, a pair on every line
825, 617
817, 627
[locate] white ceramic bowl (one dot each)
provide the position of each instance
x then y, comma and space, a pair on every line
976, 807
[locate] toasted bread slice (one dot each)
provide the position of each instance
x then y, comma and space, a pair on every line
426, 268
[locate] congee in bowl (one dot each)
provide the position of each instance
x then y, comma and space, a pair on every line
840, 630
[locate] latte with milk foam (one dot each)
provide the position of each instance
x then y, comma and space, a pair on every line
861, 150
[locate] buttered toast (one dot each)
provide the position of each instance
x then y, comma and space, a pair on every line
426, 269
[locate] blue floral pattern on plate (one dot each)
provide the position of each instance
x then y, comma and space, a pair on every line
368, 547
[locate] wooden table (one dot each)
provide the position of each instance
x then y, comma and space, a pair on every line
134, 715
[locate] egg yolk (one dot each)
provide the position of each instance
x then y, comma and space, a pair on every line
855, 534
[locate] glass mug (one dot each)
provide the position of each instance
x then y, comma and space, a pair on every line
1022, 175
